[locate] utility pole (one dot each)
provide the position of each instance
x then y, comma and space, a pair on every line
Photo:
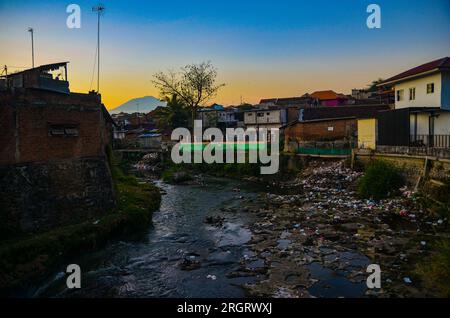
99, 9
32, 45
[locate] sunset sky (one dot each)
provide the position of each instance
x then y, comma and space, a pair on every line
261, 48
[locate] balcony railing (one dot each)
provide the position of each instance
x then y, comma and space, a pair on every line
430, 141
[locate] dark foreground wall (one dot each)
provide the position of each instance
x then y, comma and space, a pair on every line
35, 197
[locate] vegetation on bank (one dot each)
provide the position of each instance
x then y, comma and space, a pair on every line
184, 172
178, 173
30, 258
381, 180
435, 269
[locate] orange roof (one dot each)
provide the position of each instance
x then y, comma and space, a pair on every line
325, 95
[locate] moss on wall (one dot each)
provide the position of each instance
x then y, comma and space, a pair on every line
30, 258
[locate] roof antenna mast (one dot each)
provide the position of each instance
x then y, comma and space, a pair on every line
99, 9
31, 30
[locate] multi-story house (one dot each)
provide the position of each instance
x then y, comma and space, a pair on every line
422, 107
267, 117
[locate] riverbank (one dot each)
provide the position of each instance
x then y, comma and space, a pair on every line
197, 237
315, 236
319, 242
28, 259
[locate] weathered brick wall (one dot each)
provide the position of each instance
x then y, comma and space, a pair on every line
48, 181
36, 197
308, 131
25, 119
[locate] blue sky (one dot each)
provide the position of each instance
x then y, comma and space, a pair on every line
262, 48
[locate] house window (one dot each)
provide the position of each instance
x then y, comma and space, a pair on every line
399, 95
412, 93
430, 88
63, 130
260, 114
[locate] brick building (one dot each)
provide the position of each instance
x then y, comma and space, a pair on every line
53, 166
328, 124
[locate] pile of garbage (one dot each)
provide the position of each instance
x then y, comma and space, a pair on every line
326, 225
150, 163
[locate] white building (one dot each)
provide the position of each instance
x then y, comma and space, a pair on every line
265, 117
425, 91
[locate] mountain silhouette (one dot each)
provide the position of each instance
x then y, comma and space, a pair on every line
142, 105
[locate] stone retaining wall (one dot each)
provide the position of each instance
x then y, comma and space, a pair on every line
35, 197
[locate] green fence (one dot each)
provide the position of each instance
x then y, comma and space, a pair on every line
223, 146
325, 151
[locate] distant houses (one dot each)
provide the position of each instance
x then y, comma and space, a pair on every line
330, 98
409, 110
327, 125
263, 116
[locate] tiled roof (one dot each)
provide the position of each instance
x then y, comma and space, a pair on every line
326, 95
286, 101
443, 63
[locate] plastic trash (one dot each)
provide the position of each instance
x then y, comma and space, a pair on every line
407, 280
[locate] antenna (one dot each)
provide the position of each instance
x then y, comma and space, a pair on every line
31, 30
99, 9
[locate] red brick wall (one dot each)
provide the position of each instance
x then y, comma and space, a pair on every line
317, 131
25, 118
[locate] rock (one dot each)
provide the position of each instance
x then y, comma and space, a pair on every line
181, 176
214, 220
189, 264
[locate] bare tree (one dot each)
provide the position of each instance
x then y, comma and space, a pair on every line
194, 84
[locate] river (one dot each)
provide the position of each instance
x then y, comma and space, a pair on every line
150, 266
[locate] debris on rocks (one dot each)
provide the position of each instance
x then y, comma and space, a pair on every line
189, 264
325, 227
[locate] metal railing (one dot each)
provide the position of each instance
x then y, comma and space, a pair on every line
430, 141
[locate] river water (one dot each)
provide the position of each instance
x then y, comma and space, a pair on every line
150, 266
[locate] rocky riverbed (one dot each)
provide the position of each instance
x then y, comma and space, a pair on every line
309, 236
319, 241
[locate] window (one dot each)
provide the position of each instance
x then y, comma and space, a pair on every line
399, 95
260, 114
63, 130
430, 88
412, 93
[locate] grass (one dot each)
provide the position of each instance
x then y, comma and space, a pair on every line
435, 270
215, 169
381, 180
30, 258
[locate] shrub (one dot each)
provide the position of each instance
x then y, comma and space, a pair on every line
380, 181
